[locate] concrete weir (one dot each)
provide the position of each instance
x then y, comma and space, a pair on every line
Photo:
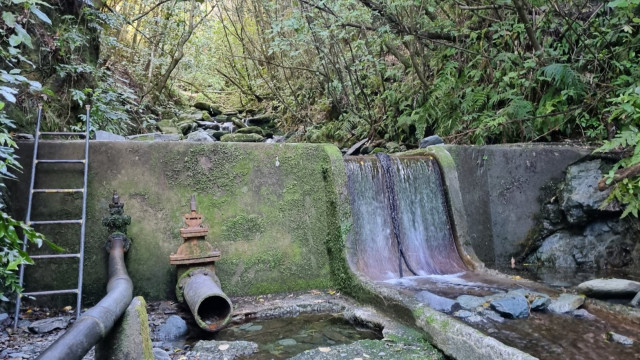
280, 214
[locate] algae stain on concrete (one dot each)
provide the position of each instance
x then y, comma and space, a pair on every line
271, 221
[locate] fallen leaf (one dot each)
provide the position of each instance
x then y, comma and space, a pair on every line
331, 292
324, 349
67, 308
223, 347
516, 277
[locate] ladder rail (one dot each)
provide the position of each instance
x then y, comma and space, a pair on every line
28, 216
82, 221
84, 213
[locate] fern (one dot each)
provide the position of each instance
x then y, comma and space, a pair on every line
563, 77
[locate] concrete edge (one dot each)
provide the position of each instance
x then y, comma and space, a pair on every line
453, 337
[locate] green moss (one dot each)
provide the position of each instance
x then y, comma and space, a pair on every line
242, 227
235, 137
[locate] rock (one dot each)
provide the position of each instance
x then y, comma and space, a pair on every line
230, 113
434, 301
167, 127
173, 329
463, 314
206, 116
200, 136
254, 328
222, 118
565, 303
597, 247
251, 130
584, 314
353, 150
492, 315
213, 110
620, 339
215, 134
470, 302
431, 140
208, 125
239, 124
45, 325
193, 116
552, 212
287, 342
242, 138
392, 147
235, 349
159, 354
187, 126
102, 135
580, 195
512, 306
260, 120
608, 288
540, 303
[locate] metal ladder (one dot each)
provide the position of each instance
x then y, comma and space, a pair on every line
81, 222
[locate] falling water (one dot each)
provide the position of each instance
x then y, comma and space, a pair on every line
413, 203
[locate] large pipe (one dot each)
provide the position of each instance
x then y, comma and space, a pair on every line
96, 322
210, 307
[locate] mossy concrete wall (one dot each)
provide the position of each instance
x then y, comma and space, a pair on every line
501, 187
270, 209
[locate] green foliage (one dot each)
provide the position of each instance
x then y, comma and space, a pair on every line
12, 36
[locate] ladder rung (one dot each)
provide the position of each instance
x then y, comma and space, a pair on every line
55, 256
63, 133
57, 190
61, 161
49, 222
50, 292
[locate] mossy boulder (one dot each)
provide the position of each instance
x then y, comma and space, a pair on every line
168, 127
187, 126
251, 130
206, 116
242, 138
211, 109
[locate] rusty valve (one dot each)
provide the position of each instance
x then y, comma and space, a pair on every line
197, 283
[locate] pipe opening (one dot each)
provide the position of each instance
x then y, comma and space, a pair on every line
214, 309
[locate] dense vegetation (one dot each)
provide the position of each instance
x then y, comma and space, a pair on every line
391, 71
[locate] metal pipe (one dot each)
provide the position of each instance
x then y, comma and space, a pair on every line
211, 308
96, 322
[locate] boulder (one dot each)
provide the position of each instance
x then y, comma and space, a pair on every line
102, 135
167, 127
215, 134
539, 303
239, 124
208, 125
434, 301
187, 126
211, 109
470, 302
620, 339
260, 120
512, 306
200, 136
159, 354
565, 303
431, 140
598, 246
609, 288
580, 195
583, 314
173, 329
190, 116
251, 130
392, 147
241, 138
46, 325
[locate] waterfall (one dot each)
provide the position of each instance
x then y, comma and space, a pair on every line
400, 219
